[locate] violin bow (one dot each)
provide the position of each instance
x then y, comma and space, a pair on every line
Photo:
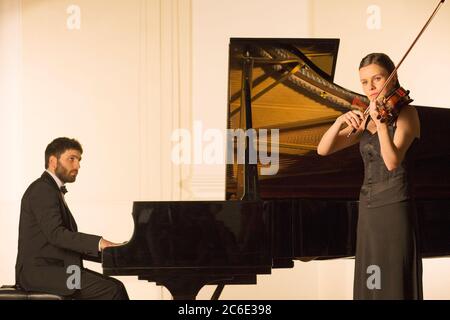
391, 76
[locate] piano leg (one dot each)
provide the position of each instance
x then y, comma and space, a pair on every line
188, 287
183, 287
218, 291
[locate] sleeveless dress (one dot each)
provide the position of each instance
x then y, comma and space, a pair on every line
388, 265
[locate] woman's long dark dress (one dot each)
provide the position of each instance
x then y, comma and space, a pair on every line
388, 264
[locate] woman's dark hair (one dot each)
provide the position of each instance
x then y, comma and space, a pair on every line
381, 60
60, 145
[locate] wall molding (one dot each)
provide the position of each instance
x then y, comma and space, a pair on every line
164, 95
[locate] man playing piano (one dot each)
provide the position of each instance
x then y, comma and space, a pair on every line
50, 249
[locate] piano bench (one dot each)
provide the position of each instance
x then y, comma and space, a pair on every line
15, 293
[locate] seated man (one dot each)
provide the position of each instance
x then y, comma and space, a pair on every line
51, 249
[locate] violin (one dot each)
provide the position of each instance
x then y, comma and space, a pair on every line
389, 107
392, 104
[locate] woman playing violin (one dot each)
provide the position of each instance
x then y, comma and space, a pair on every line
388, 263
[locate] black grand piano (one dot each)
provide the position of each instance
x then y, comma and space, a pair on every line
308, 209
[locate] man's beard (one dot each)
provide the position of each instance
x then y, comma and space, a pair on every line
63, 174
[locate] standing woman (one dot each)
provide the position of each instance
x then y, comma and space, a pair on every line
388, 263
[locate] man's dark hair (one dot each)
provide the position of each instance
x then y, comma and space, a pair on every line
60, 145
381, 60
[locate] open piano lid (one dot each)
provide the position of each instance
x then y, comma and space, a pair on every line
293, 91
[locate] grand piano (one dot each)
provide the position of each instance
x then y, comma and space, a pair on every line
308, 209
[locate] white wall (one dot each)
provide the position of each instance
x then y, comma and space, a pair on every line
117, 84
424, 70
11, 162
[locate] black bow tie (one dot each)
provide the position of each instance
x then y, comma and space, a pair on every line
63, 189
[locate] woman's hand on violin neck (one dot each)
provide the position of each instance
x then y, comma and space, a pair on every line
352, 118
374, 112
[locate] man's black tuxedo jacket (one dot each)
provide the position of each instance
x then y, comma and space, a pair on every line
48, 240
